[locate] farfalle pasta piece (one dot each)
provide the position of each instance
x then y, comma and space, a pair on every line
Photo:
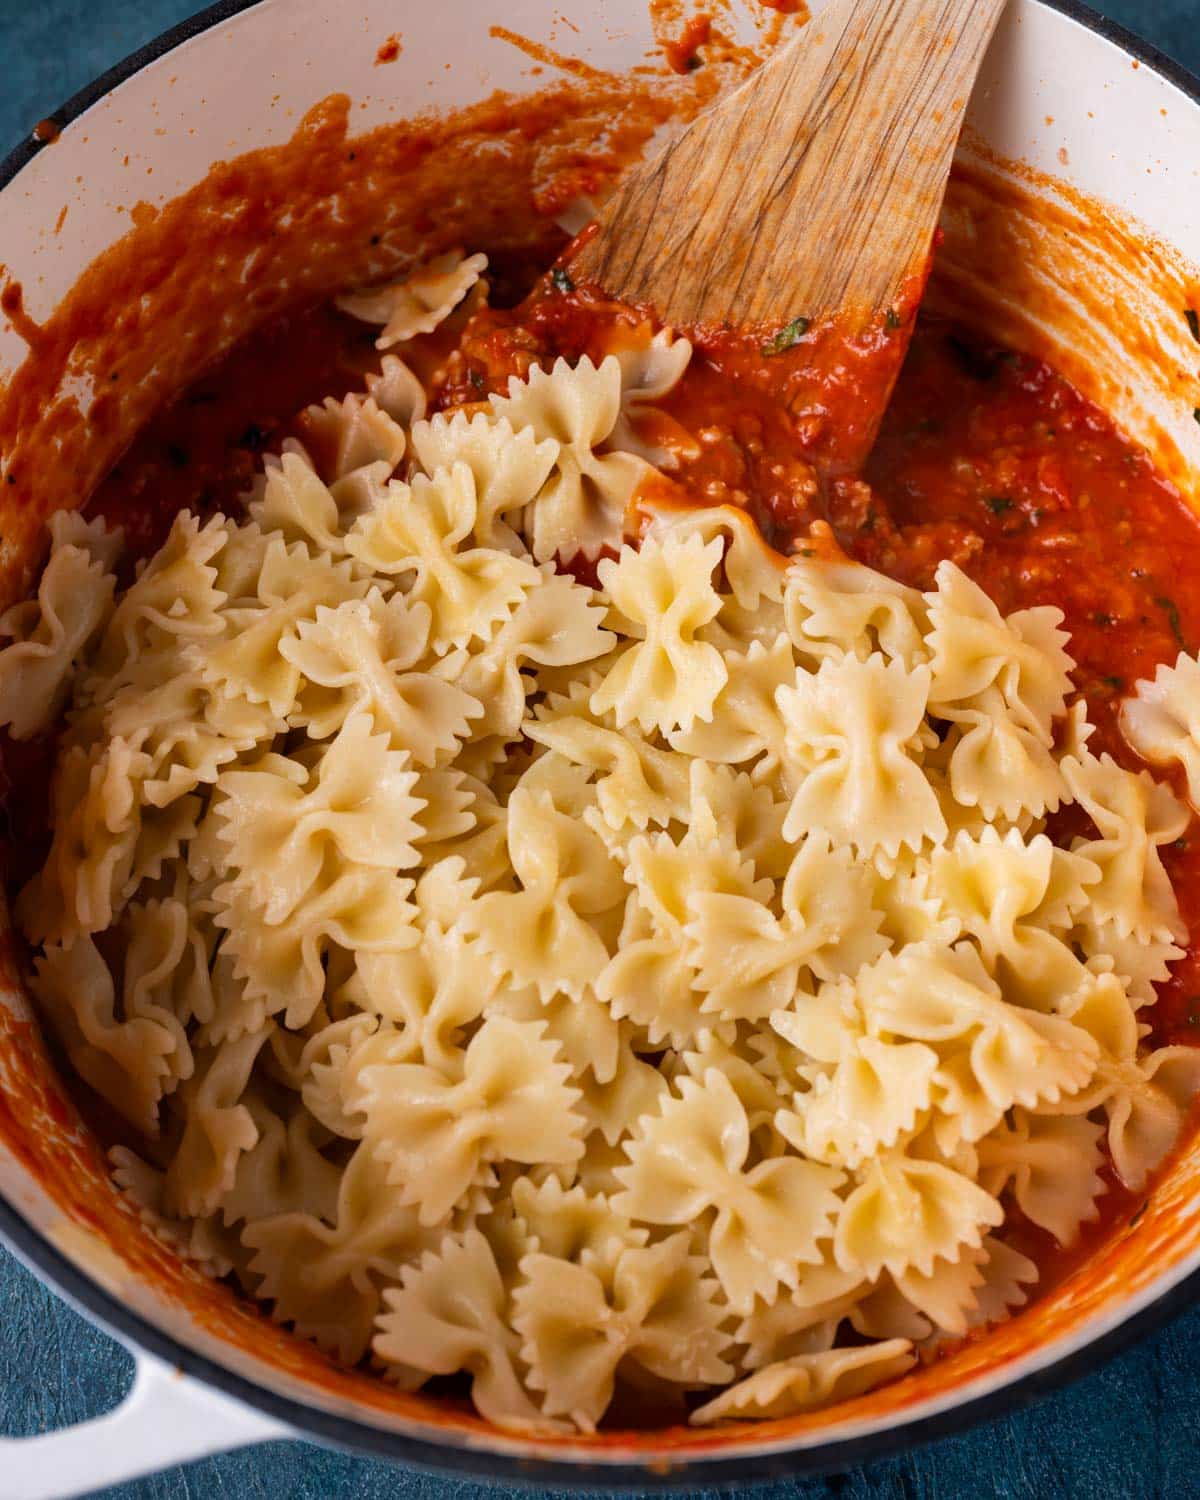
451, 1313
284, 1171
218, 1126
1140, 964
1006, 1274
1007, 894
247, 660
996, 766
94, 813
1145, 1097
572, 1224
188, 730
281, 824
52, 634
355, 445
636, 783
874, 1095
129, 1061
905, 1213
760, 1095
540, 934
166, 968
691, 1158
1135, 816
509, 468
910, 912
945, 1298
851, 729
650, 980
806, 1321
234, 1011
750, 961
614, 1107
397, 391
418, 302
664, 594
326, 1278
835, 609
808, 1382
172, 603
106, 842
651, 368
746, 725
282, 966
447, 800
511, 1102
431, 992
558, 623
482, 850
103, 543
328, 1055
655, 1309
736, 629
886, 1313
1162, 719
727, 804
359, 658
993, 1055
296, 504
589, 1035
975, 648
752, 570
205, 1242
581, 506
421, 533
1053, 1165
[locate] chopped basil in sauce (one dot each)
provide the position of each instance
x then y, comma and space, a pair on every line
788, 336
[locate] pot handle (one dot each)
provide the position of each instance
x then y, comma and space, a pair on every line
165, 1419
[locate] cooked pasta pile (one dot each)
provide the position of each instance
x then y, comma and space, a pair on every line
671, 984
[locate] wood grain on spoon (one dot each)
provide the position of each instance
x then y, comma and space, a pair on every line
814, 189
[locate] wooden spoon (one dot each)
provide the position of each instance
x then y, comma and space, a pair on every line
813, 190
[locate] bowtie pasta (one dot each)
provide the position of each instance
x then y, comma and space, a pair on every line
677, 983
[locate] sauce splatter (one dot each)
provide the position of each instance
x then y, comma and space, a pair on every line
683, 53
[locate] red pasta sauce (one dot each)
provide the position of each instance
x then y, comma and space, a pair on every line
985, 456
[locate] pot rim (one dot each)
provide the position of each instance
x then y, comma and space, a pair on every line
105, 1311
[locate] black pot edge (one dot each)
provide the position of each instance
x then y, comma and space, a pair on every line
107, 1312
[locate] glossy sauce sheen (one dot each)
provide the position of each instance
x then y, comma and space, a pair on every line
985, 457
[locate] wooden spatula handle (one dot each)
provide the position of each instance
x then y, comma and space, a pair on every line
816, 186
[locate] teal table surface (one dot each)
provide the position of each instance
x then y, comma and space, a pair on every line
1129, 1429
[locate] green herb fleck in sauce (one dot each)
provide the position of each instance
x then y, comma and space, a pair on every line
1193, 322
999, 504
1171, 609
787, 337
562, 282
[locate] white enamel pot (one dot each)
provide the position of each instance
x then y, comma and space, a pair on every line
1062, 93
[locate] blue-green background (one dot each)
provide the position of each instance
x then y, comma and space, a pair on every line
1131, 1429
